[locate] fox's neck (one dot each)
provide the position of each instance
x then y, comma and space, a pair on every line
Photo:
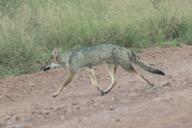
61, 60
64, 58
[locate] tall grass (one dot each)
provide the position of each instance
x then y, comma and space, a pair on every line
30, 29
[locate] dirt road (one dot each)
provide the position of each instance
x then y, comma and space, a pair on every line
26, 102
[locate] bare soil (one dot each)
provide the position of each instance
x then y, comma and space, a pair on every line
26, 101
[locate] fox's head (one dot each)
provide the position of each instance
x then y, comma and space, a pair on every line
53, 61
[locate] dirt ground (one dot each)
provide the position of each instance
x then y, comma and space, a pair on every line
26, 101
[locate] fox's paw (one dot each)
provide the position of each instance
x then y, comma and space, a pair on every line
55, 95
102, 92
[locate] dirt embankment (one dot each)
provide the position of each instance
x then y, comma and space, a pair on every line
26, 102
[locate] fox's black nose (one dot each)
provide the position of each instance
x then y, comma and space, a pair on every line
45, 68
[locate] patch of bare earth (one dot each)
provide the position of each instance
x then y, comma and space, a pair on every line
26, 102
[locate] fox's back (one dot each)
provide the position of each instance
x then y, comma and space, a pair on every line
91, 56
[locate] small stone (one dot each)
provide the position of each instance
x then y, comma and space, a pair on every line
78, 108
117, 120
167, 84
28, 119
113, 98
17, 118
111, 108
62, 118
44, 112
8, 117
74, 103
31, 84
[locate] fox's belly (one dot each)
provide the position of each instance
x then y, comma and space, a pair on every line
91, 58
96, 61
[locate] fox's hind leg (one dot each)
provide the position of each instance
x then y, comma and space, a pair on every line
112, 71
65, 83
131, 69
146, 80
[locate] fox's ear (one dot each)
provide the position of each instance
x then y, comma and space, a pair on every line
55, 51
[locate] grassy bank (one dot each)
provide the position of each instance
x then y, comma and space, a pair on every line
30, 29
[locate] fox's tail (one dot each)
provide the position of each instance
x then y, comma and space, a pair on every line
146, 66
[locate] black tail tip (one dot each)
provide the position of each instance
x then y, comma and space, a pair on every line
159, 72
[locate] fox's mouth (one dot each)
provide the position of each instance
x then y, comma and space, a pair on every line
45, 68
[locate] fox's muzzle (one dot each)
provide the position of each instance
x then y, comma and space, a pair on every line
45, 67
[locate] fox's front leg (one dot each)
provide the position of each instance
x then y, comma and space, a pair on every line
65, 83
93, 79
112, 71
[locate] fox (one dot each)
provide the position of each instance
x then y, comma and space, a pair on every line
88, 58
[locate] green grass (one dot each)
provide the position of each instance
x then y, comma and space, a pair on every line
30, 29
